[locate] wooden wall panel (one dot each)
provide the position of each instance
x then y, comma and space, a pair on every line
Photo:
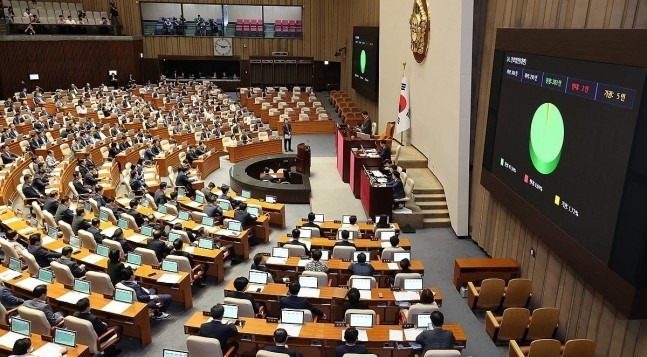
59, 63
584, 313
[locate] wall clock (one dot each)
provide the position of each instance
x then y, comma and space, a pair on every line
222, 46
419, 26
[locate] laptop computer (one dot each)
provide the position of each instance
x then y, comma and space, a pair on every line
15, 264
174, 353
87, 206
199, 199
20, 326
361, 320
257, 277
183, 215
224, 205
65, 337
103, 216
305, 233
147, 231
161, 209
172, 236
122, 223
412, 284
280, 252
234, 226
397, 256
325, 255
124, 295
246, 194
292, 317
423, 320
386, 235
131, 196
81, 286
75, 242
103, 250
254, 211
45, 275
231, 311
134, 259
52, 232
309, 282
169, 266
361, 283
345, 219
270, 199
319, 217
207, 221
181, 192
205, 243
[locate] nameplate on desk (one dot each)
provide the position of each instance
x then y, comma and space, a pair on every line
395, 288
332, 238
273, 320
337, 221
386, 260
206, 313
289, 235
373, 239
407, 326
266, 254
345, 260
340, 324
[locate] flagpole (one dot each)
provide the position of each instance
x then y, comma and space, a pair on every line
404, 68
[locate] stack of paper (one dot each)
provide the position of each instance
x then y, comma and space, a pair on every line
395, 335
115, 307
137, 238
276, 261
362, 335
9, 275
49, 349
92, 258
45, 240
309, 293
192, 204
410, 334
254, 288
303, 262
189, 249
393, 266
27, 231
109, 231
406, 295
9, 338
169, 278
10, 221
72, 297
365, 294
29, 284
292, 330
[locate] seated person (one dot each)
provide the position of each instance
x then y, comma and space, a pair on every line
361, 267
216, 329
63, 212
266, 176
354, 302
351, 225
311, 222
22, 348
280, 339
8, 299
240, 284
295, 241
160, 195
427, 298
381, 223
100, 327
344, 242
115, 266
98, 196
159, 247
79, 221
12, 237
66, 259
405, 267
245, 218
139, 218
436, 339
43, 256
293, 301
118, 236
95, 230
351, 335
158, 302
398, 186
385, 151
51, 202
200, 274
211, 209
30, 192
315, 264
39, 302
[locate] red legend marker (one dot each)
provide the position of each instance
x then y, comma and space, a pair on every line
525, 178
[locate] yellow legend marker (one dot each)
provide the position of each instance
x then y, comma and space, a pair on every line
557, 200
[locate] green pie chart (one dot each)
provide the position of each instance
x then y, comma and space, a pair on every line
546, 138
362, 61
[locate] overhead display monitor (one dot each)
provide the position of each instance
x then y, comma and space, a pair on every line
365, 60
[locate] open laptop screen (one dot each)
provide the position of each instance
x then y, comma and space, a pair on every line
295, 317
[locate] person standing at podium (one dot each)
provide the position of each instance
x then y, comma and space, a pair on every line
287, 135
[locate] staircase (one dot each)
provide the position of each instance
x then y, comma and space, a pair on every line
3, 27
433, 204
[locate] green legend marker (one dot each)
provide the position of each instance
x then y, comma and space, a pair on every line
502, 161
546, 138
362, 61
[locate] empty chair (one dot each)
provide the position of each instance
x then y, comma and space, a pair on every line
517, 293
111, 216
376, 317
373, 281
205, 346
66, 229
86, 335
9, 252
579, 348
148, 256
245, 308
100, 283
398, 280
543, 324
4, 316
295, 250
511, 326
442, 353
341, 252
307, 316
171, 209
538, 348
39, 323
62, 273
113, 245
87, 240
322, 278
30, 261
396, 155
487, 296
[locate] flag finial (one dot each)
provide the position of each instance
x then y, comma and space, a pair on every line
404, 67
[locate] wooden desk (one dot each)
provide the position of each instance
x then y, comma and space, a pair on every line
181, 138
315, 339
135, 319
330, 228
376, 200
214, 144
477, 269
37, 342
8, 185
94, 151
168, 159
160, 131
263, 148
276, 211
309, 127
358, 161
132, 156
361, 244
343, 144
208, 165
331, 301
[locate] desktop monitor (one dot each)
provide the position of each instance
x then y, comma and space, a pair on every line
412, 284
181, 192
345, 219
397, 256
231, 311
319, 217
205, 243
257, 277
52, 232
183, 215
103, 250
280, 252
34, 77
423, 320
207, 221
361, 320
386, 235
20, 326
75, 242
65, 337
325, 255
293, 317
147, 231
174, 353
161, 209
224, 205
103, 216
124, 295
45, 275
82, 286
134, 259
15, 264
199, 199
123, 224
361, 283
169, 266
270, 199
254, 211
172, 236
235, 226
246, 194
309, 282
305, 233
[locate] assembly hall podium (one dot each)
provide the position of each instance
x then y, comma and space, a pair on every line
303, 159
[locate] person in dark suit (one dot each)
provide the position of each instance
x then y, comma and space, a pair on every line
311, 222
398, 186
115, 266
211, 209
160, 248
361, 267
63, 212
344, 242
28, 189
114, 150
351, 336
40, 181
160, 195
437, 338
98, 196
287, 135
354, 301
7, 298
100, 327
216, 329
385, 153
79, 221
240, 284
183, 180
149, 155
39, 302
158, 302
199, 274
367, 125
266, 176
245, 218
66, 259
43, 256
51, 202
137, 185
280, 339
132, 210
293, 301
78, 185
90, 179
96, 231
118, 236
295, 241
7, 156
